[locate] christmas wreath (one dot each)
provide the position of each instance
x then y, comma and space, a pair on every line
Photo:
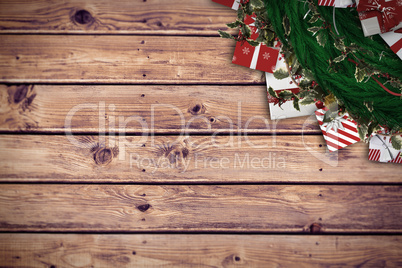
334, 65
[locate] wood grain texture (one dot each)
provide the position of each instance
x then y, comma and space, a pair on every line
180, 159
177, 17
121, 59
233, 208
140, 250
157, 109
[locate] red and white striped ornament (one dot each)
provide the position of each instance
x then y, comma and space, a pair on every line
381, 150
340, 132
337, 3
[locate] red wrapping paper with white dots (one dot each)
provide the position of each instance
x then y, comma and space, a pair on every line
261, 57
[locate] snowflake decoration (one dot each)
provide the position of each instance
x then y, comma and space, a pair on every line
362, 15
253, 24
234, 58
246, 50
266, 56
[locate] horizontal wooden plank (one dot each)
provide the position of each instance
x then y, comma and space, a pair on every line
121, 59
190, 17
234, 208
180, 159
199, 250
157, 109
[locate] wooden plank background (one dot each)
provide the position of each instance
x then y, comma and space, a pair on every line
112, 59
149, 17
195, 159
158, 108
230, 208
126, 80
141, 250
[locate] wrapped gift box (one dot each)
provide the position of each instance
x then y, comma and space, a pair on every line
286, 110
234, 4
261, 57
340, 132
379, 16
394, 40
381, 150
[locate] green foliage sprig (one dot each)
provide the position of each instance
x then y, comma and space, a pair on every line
262, 23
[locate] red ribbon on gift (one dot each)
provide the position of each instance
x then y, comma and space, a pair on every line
388, 12
397, 45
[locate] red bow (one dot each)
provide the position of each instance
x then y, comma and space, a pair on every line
388, 13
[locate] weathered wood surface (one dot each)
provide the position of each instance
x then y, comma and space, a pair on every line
180, 159
121, 59
233, 208
157, 109
78, 250
179, 17
215, 96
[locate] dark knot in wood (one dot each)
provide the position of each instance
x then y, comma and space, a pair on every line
196, 108
20, 93
185, 152
83, 17
315, 228
144, 207
103, 156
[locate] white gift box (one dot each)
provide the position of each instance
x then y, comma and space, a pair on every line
286, 110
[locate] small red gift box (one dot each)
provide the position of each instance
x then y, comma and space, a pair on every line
261, 57
379, 16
